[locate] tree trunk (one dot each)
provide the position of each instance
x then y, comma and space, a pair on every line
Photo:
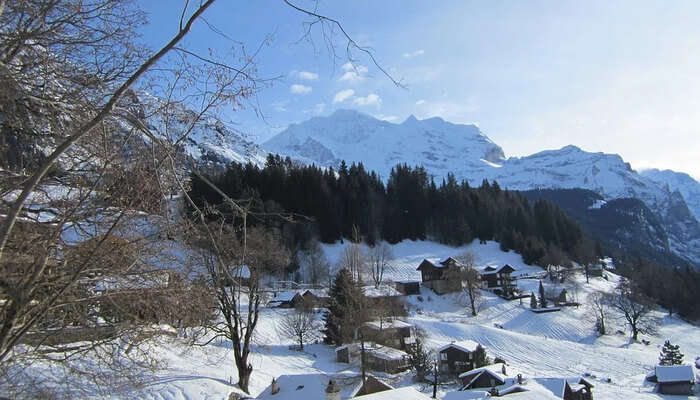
244, 377
471, 302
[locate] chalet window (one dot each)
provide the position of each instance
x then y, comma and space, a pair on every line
443, 356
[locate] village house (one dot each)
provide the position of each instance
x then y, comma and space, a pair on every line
489, 376
393, 332
570, 388
297, 298
386, 359
303, 386
499, 280
369, 386
457, 357
381, 293
377, 357
437, 276
407, 288
673, 379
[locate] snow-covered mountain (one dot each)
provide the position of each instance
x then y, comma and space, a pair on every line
688, 187
442, 147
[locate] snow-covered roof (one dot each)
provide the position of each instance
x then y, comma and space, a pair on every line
395, 324
493, 370
382, 291
675, 373
464, 345
292, 387
491, 270
387, 353
557, 385
284, 296
403, 393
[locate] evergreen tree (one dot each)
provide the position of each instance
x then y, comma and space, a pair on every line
419, 359
670, 354
345, 309
543, 299
480, 358
533, 300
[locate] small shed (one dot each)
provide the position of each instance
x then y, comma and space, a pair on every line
408, 287
457, 357
674, 379
386, 359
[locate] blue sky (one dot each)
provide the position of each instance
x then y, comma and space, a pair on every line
619, 77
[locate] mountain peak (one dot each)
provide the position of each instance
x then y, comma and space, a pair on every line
411, 119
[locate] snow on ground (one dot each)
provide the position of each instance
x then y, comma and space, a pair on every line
408, 254
550, 345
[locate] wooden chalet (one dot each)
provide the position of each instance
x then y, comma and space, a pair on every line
457, 357
483, 378
673, 379
436, 276
499, 280
394, 333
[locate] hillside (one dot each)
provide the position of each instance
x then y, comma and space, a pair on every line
537, 345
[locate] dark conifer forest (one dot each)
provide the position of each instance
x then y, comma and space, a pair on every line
411, 205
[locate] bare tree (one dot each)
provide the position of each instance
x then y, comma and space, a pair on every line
353, 258
635, 309
299, 324
598, 310
379, 259
316, 263
471, 280
65, 67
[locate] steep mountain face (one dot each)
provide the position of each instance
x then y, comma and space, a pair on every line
624, 227
688, 187
441, 147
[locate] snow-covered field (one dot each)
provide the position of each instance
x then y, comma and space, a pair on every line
557, 344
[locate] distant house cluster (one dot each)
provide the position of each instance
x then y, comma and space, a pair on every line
442, 277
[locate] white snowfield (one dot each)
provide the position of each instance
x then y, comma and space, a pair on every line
544, 348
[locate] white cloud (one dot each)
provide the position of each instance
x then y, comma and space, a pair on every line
354, 73
371, 99
343, 95
319, 108
306, 75
419, 102
300, 89
413, 54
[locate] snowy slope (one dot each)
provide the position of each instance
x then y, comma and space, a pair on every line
540, 346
